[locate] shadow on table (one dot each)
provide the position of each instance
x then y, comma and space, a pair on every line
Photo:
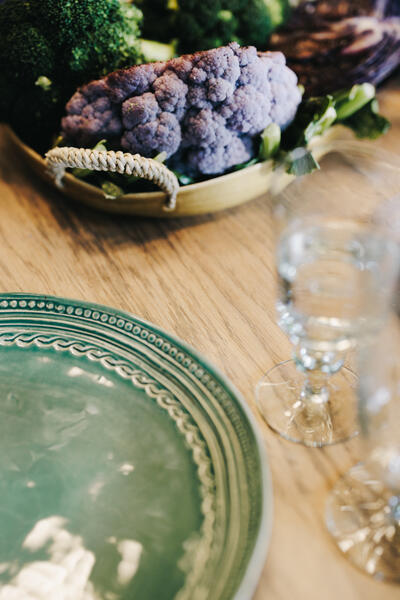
113, 228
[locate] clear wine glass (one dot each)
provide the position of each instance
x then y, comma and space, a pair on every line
363, 510
335, 272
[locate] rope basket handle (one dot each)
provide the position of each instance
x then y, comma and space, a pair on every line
59, 159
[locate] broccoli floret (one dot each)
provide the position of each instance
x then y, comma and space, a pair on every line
212, 23
259, 18
48, 48
203, 25
205, 111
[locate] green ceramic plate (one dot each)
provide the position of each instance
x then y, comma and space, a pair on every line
129, 467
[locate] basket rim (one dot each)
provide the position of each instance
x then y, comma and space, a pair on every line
183, 190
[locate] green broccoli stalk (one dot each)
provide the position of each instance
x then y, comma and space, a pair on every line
49, 48
212, 23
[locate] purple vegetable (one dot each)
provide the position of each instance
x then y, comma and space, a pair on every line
204, 110
332, 45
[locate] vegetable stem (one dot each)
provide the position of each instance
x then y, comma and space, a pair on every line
349, 102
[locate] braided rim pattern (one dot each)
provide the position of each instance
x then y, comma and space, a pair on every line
59, 159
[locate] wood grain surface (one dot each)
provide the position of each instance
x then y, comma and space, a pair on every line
209, 280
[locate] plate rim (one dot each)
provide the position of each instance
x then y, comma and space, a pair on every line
250, 579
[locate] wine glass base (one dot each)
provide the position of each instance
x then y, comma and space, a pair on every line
358, 516
315, 424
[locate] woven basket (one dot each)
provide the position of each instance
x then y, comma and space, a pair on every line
206, 197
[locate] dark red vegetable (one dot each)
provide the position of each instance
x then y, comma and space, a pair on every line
333, 44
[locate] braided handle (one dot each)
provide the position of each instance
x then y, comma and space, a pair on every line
59, 159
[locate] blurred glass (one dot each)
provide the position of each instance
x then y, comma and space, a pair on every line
363, 511
335, 273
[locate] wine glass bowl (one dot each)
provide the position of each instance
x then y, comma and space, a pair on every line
331, 283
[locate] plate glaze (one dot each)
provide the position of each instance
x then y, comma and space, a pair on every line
129, 467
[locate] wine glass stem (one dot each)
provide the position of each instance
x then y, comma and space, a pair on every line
317, 367
315, 390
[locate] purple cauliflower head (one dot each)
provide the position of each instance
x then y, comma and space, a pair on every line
203, 110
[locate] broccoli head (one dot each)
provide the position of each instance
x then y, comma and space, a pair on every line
48, 48
211, 23
204, 110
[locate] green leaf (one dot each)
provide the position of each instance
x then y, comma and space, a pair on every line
184, 179
101, 145
270, 141
111, 190
367, 122
59, 141
313, 117
161, 157
81, 173
249, 163
44, 82
356, 108
300, 161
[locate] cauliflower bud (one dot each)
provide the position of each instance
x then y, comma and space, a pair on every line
204, 110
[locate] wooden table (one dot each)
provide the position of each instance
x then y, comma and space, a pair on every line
210, 281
